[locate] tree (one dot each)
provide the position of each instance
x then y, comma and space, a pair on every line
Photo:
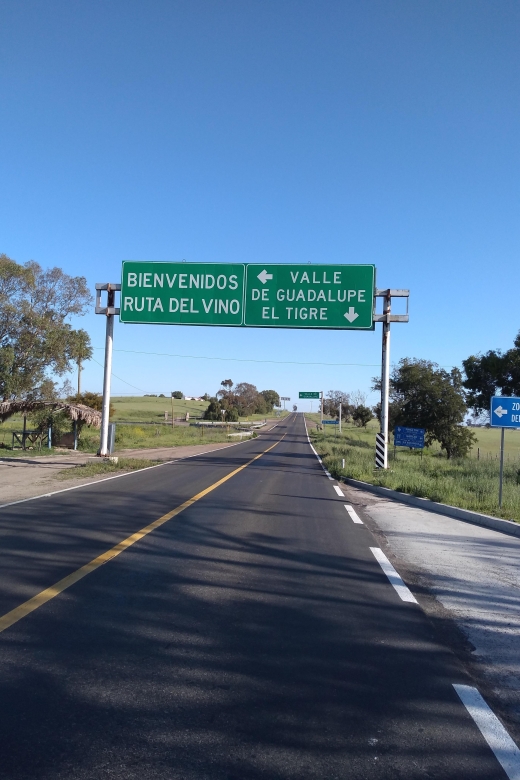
213, 412
231, 415
36, 339
362, 415
227, 384
271, 399
358, 398
426, 396
295, 408
178, 394
247, 398
331, 402
494, 373
94, 400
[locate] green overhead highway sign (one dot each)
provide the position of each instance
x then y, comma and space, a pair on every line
182, 293
310, 296
308, 395
254, 295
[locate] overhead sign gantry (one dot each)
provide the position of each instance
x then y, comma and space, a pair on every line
257, 295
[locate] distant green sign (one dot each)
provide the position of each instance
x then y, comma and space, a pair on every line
310, 296
182, 293
308, 395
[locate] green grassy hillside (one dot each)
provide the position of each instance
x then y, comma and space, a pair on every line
146, 409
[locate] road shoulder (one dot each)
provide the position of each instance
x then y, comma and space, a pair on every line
467, 580
22, 478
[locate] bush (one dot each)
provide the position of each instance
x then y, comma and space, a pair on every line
213, 412
362, 416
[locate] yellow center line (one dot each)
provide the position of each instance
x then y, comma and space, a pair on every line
46, 595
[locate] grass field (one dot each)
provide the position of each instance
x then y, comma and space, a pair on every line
146, 409
148, 429
465, 482
488, 440
149, 436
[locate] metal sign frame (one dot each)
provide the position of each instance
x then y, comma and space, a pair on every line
386, 318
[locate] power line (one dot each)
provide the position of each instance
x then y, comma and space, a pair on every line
240, 360
116, 376
253, 360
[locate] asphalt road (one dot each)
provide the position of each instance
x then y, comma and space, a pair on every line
252, 635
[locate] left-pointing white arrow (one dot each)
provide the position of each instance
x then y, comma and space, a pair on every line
264, 276
500, 412
351, 314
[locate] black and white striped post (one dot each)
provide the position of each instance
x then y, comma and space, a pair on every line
381, 452
386, 318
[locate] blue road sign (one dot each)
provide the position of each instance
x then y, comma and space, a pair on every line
505, 412
409, 437
330, 422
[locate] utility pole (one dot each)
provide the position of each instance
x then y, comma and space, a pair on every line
172, 409
340, 418
109, 311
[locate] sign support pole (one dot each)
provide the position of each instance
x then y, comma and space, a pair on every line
386, 318
107, 376
321, 408
385, 375
109, 311
340, 419
501, 468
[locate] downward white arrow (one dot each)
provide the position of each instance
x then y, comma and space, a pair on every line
264, 276
500, 411
351, 314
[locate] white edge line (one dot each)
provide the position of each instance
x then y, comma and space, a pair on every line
118, 476
404, 593
505, 750
312, 448
353, 515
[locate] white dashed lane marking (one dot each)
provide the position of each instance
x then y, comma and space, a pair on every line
353, 515
403, 591
339, 491
505, 750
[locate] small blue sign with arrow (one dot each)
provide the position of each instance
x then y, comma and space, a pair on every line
505, 412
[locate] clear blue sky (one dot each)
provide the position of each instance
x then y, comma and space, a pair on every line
270, 130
